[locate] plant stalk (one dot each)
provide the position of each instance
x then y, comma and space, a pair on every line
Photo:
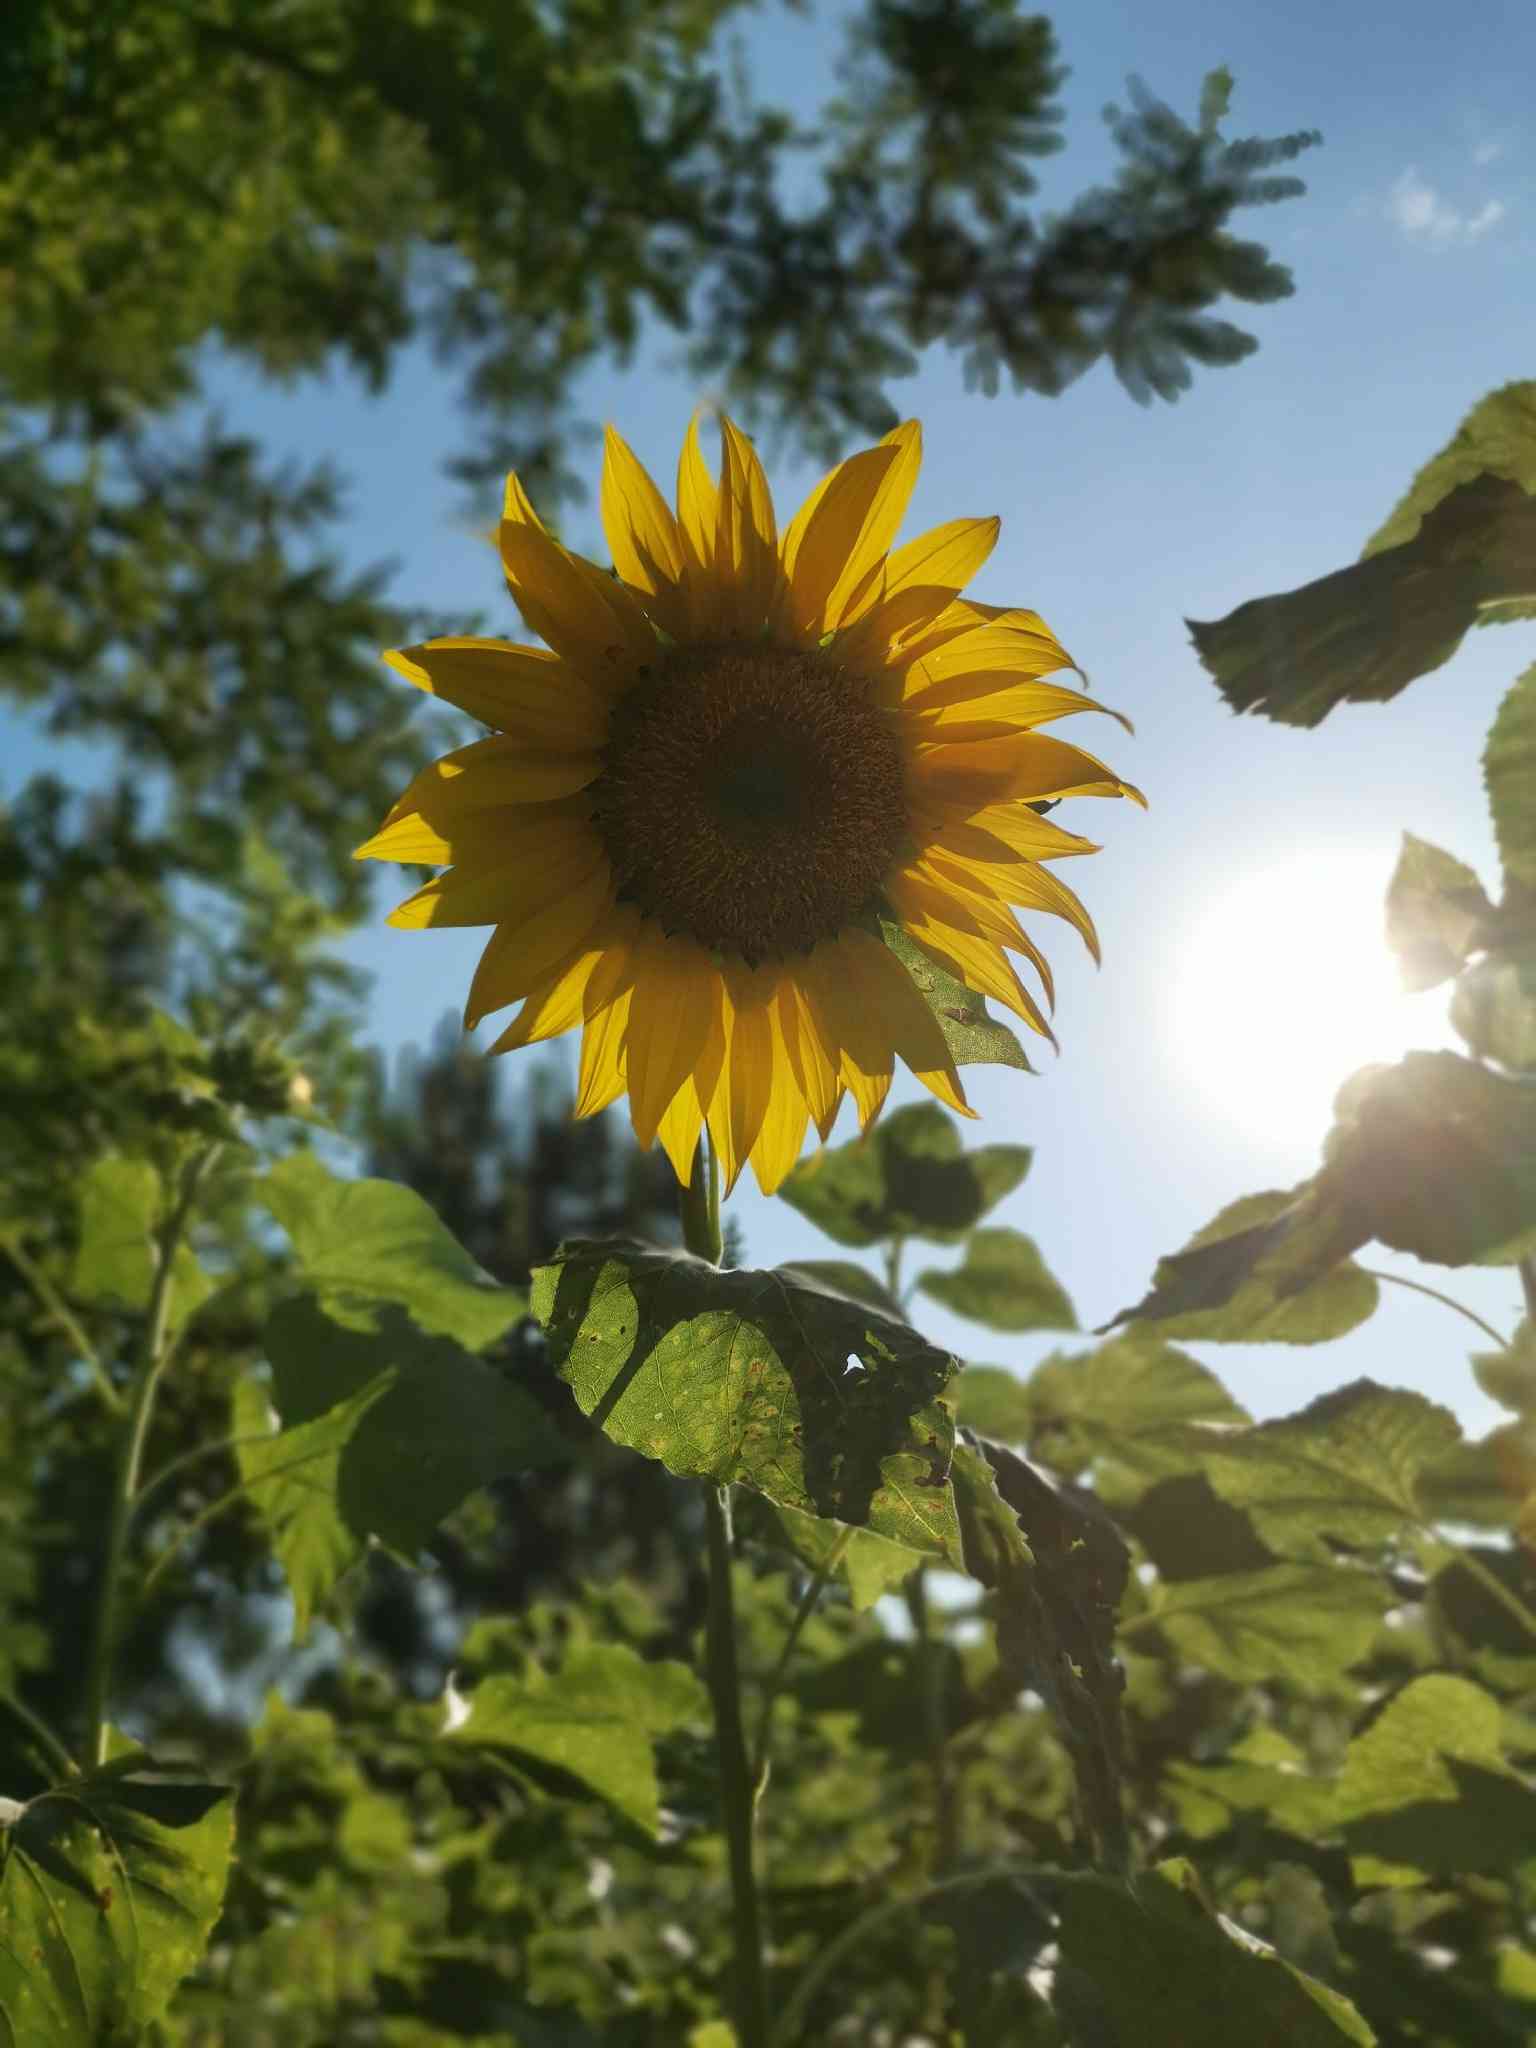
154, 1355
1445, 1300
40, 1733
54, 1302
700, 1207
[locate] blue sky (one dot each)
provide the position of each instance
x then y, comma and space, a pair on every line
1242, 908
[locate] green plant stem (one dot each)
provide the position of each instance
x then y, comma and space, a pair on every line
893, 1253
946, 1817
1445, 1300
216, 1508
1528, 1286
40, 1733
807, 1607
210, 1449
736, 1784
793, 2017
700, 1206
154, 1355
54, 1302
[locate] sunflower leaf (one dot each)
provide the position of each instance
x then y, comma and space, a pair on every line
370, 1241
1494, 1008
909, 1176
815, 1400
1436, 911
1264, 1270
121, 1204
109, 1888
1169, 1974
447, 1425
974, 1036
1304, 1623
870, 1564
1131, 1401
846, 1276
1455, 553
1003, 1282
1509, 771
596, 1719
1347, 1467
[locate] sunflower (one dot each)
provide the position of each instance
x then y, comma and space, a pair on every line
739, 760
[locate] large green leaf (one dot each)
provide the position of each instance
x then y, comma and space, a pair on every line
1189, 1532
1494, 1008
995, 1403
1435, 1156
1264, 1773
1305, 1623
909, 1176
1509, 1376
869, 1565
818, 1401
1456, 553
293, 1478
1248, 1278
447, 1424
109, 1888
1347, 1467
121, 1209
1171, 1975
974, 1036
1130, 1401
1437, 913
361, 1241
1004, 1282
1509, 771
845, 1276
596, 1718
1425, 1789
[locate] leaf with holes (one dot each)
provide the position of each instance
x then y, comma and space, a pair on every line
819, 1402
109, 1888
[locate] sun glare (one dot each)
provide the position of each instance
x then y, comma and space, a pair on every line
1285, 986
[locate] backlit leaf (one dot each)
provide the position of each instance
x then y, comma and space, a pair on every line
819, 1402
109, 1888
870, 1565
1130, 1401
121, 1209
362, 1241
1436, 912
292, 1479
1494, 1008
1509, 771
845, 1276
1003, 1282
1305, 1623
909, 1176
1347, 1466
596, 1718
974, 1036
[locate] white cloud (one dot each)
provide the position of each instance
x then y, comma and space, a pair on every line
1487, 152
1417, 210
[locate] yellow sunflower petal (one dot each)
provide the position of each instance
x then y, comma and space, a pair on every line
865, 1053
1025, 882
740, 1098
588, 618
522, 690
518, 955
487, 775
553, 1007
991, 706
845, 526
605, 1007
813, 1062
977, 904
919, 581
678, 1131
936, 921
746, 538
507, 886
785, 1120
1026, 768
697, 505
643, 539
891, 998
675, 985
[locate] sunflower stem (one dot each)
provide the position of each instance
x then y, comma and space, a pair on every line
701, 1233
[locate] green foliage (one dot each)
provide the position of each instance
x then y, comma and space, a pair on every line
109, 1888
908, 1177
751, 1377
595, 1719
1306, 1624
1456, 553
1436, 913
1002, 1282
366, 1241
1168, 1974
974, 1036
121, 1204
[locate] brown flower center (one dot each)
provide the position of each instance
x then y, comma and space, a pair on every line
752, 797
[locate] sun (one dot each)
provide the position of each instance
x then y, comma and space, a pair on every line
1284, 985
